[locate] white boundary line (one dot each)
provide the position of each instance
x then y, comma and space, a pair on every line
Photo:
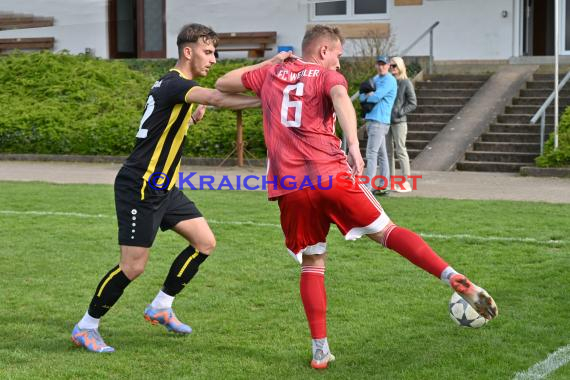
542, 369
53, 213
506, 239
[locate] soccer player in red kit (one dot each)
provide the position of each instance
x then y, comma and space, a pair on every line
301, 99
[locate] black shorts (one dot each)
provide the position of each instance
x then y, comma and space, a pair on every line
139, 219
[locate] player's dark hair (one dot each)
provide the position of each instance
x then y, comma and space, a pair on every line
194, 32
318, 31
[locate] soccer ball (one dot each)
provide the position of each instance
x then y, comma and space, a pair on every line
463, 314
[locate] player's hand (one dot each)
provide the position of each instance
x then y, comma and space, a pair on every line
198, 114
281, 57
355, 160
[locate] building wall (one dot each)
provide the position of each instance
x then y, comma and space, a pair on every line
287, 17
468, 30
79, 24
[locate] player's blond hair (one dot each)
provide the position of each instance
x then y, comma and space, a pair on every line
321, 31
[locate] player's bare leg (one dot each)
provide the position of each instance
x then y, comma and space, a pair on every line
313, 295
202, 243
411, 246
86, 331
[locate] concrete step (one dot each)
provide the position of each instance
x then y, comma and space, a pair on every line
538, 101
479, 166
531, 110
500, 156
428, 127
507, 147
421, 135
412, 153
521, 119
449, 84
430, 117
459, 101
542, 84
458, 77
549, 77
445, 93
542, 93
518, 128
511, 137
416, 144
438, 109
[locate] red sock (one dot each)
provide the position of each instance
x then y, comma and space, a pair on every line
414, 248
314, 298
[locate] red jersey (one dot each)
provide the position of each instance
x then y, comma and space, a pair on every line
298, 123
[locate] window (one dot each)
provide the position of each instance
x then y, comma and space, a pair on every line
137, 29
349, 10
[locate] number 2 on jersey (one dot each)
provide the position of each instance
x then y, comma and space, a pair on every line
142, 132
288, 103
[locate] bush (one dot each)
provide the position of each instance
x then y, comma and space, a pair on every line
63, 104
76, 104
561, 156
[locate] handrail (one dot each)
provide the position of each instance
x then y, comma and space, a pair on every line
430, 31
430, 64
542, 110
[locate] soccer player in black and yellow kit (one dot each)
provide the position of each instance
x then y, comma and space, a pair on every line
145, 193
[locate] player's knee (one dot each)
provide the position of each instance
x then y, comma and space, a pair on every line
315, 260
133, 270
207, 247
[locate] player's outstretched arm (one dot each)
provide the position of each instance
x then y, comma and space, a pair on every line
347, 120
211, 97
231, 82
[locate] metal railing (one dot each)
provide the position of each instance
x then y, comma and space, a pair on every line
403, 52
430, 31
542, 111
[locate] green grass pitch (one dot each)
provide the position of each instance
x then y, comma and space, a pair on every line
387, 319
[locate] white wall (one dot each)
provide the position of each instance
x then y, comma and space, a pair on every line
468, 30
78, 24
287, 17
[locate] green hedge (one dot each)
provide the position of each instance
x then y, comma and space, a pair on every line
561, 156
76, 104
62, 103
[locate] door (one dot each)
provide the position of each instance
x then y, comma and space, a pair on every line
137, 29
527, 26
538, 27
565, 27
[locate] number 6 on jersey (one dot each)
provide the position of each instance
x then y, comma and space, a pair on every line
288, 103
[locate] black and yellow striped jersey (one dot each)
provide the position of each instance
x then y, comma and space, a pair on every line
162, 131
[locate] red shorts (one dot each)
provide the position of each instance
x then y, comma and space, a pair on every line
306, 216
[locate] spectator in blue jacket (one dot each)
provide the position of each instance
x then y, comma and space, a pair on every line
378, 121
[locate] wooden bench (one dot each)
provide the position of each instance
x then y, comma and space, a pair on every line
22, 21
255, 43
10, 20
26, 43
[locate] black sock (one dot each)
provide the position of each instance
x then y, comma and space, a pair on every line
182, 270
108, 292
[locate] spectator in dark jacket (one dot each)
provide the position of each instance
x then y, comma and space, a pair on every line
405, 103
